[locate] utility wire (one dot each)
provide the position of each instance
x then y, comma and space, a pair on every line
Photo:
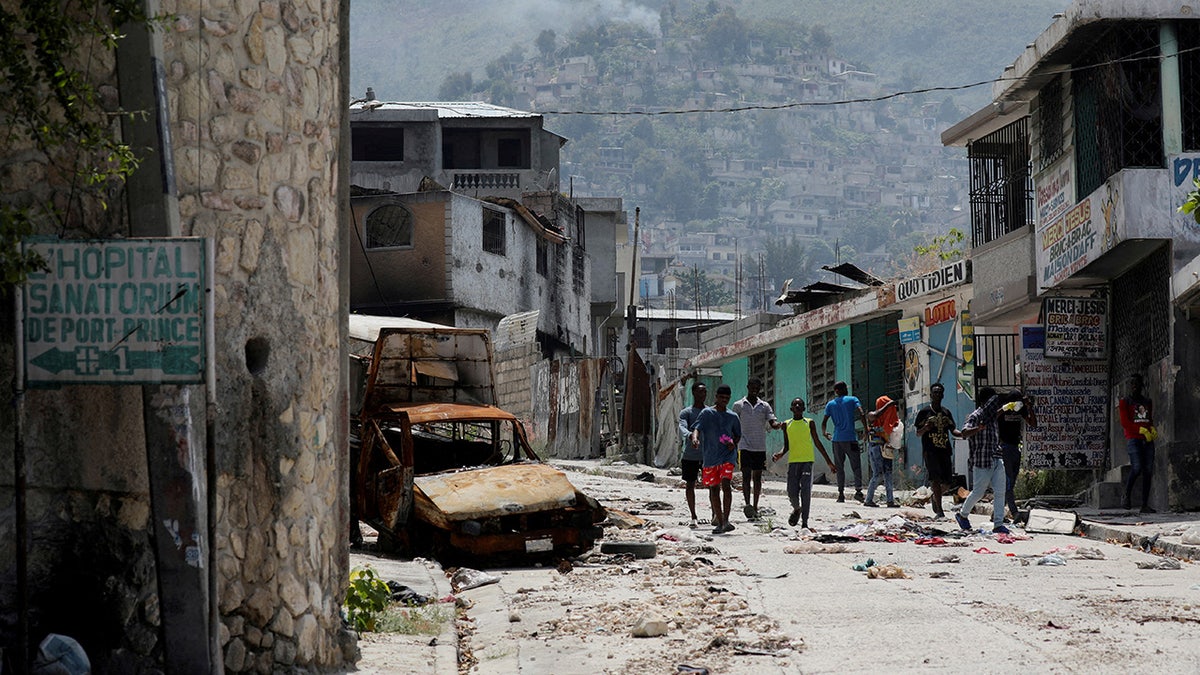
868, 99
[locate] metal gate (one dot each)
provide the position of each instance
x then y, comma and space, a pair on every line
996, 361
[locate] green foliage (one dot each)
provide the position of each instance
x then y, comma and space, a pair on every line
1047, 482
15, 264
456, 87
366, 598
51, 101
425, 620
1193, 200
695, 287
943, 246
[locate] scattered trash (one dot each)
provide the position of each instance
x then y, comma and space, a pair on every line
948, 558
1148, 543
1191, 537
657, 506
1051, 624
681, 534
61, 655
836, 539
1053, 522
939, 575
646, 477
818, 547
407, 596
565, 566
623, 521
694, 670
755, 651
929, 541
1002, 538
466, 578
1089, 554
862, 567
984, 549
1053, 559
886, 572
650, 625
1161, 563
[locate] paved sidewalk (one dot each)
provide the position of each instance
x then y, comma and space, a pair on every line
1162, 532
395, 653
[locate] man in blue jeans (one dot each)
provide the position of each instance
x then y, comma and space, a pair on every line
987, 462
844, 410
1137, 421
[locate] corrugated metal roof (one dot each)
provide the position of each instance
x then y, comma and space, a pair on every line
450, 109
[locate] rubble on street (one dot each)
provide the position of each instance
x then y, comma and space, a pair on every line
774, 598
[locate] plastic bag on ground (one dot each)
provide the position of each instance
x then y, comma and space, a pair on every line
1192, 536
1159, 564
1053, 559
466, 578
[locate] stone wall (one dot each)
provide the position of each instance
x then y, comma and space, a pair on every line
256, 114
256, 108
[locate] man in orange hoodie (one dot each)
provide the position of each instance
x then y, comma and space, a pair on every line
885, 438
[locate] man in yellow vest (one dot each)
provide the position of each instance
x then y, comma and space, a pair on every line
799, 439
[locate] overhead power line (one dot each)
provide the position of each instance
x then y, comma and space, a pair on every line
848, 101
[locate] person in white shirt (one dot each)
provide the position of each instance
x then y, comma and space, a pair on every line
757, 419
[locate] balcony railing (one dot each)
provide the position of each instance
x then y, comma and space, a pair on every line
487, 181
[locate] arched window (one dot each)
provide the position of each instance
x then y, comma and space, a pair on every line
389, 226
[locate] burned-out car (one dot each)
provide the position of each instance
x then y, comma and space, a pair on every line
439, 469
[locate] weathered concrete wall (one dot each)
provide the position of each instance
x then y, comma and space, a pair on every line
256, 116
416, 273
1180, 422
254, 100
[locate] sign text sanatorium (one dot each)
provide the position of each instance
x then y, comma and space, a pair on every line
116, 311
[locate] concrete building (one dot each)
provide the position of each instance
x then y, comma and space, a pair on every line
1078, 167
472, 148
444, 257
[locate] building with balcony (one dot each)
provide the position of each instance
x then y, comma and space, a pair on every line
472, 148
1078, 167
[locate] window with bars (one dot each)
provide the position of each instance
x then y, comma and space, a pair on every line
493, 231
1188, 35
389, 226
1001, 183
577, 276
1141, 331
1118, 105
543, 257
762, 366
1050, 122
822, 369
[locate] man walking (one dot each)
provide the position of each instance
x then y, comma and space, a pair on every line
716, 433
1137, 421
1016, 411
799, 439
934, 425
986, 461
845, 410
692, 458
757, 419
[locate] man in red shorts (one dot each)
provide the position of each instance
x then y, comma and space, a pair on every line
716, 433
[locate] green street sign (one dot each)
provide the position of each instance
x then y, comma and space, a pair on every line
117, 311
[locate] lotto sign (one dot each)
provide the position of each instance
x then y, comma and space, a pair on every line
119, 311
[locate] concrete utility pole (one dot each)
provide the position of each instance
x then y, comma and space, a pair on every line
180, 491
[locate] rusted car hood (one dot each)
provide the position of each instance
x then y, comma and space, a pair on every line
423, 413
493, 491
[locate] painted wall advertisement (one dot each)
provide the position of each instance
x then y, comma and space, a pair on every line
953, 274
1056, 190
910, 329
1072, 407
116, 311
1068, 243
1076, 328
